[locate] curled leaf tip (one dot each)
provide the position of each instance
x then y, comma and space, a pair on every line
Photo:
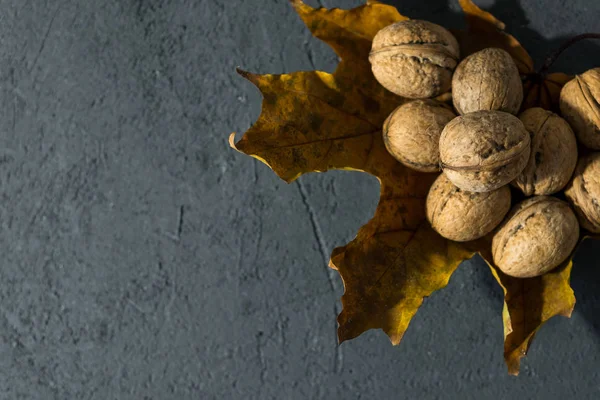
254, 78
477, 15
395, 339
567, 313
332, 265
299, 4
240, 71
232, 141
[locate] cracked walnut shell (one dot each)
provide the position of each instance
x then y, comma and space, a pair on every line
414, 59
553, 153
484, 150
538, 235
584, 192
579, 105
487, 80
463, 216
412, 133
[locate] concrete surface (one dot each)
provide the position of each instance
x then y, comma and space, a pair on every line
144, 259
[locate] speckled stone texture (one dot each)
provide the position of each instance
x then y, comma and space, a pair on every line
142, 258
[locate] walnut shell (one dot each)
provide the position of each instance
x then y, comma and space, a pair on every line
579, 106
487, 80
553, 153
584, 192
462, 216
414, 59
412, 133
484, 150
539, 234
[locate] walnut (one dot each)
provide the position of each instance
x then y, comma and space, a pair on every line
484, 150
462, 216
412, 133
538, 235
487, 80
579, 106
414, 59
584, 192
553, 153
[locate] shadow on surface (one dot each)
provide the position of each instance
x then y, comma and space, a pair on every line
512, 14
585, 278
585, 281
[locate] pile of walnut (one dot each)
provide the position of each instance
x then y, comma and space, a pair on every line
489, 147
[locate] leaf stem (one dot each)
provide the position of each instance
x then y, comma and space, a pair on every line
543, 71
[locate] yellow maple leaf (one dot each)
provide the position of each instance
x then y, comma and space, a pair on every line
315, 121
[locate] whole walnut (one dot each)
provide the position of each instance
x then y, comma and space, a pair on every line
487, 80
553, 153
462, 216
412, 133
584, 192
579, 106
538, 235
414, 59
484, 150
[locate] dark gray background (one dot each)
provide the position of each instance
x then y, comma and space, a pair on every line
142, 258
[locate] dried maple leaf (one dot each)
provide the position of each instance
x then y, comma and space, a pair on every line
315, 121
528, 304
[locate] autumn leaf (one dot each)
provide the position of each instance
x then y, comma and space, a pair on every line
313, 121
528, 304
387, 274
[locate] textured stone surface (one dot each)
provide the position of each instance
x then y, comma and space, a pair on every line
143, 259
